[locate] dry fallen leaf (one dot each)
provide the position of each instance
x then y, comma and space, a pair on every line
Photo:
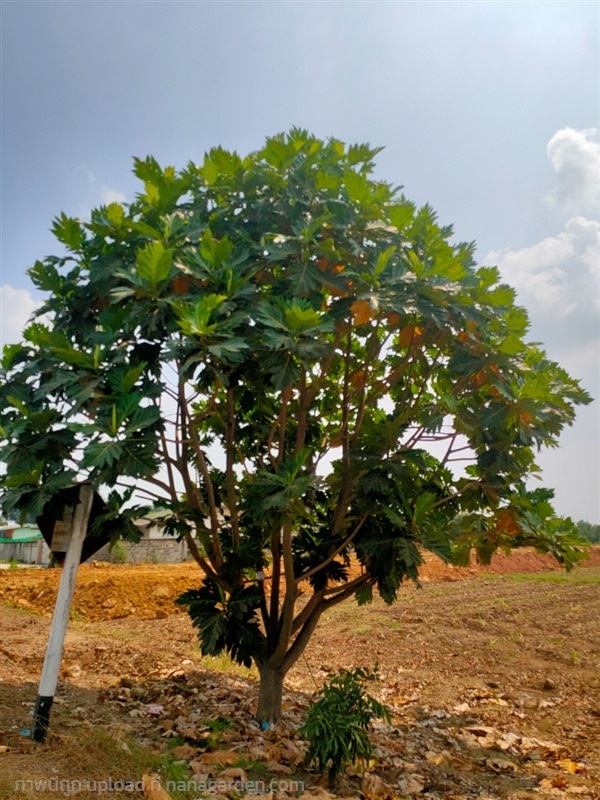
481, 730
570, 766
498, 701
507, 740
153, 789
413, 784
373, 788
281, 769
462, 708
220, 757
434, 758
235, 773
200, 769
184, 751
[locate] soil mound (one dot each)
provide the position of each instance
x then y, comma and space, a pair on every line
148, 591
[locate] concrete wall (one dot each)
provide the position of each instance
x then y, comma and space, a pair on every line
157, 551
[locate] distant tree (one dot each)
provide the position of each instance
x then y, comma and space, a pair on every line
290, 358
589, 531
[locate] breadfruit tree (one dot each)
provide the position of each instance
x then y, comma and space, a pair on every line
303, 371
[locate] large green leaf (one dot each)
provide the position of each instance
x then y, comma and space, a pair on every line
154, 263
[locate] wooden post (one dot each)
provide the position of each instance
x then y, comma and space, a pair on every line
62, 609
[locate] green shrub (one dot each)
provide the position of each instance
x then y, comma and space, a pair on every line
119, 553
336, 726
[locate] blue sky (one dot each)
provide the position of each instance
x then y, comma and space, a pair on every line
489, 111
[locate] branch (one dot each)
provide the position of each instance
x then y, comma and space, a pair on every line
291, 594
280, 423
275, 583
346, 487
346, 402
229, 473
208, 570
150, 494
191, 489
303, 638
348, 591
263, 606
161, 484
169, 464
336, 552
303, 403
346, 587
314, 601
467, 486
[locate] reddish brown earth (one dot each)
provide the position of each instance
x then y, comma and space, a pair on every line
493, 682
148, 591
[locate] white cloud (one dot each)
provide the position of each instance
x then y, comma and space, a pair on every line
558, 280
560, 274
16, 307
112, 196
575, 156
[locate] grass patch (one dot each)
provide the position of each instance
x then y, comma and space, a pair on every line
91, 755
225, 665
584, 575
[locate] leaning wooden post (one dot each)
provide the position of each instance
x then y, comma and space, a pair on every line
62, 609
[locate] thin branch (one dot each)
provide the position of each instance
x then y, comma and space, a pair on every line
333, 591
190, 487
279, 424
229, 473
449, 497
157, 482
303, 403
291, 593
169, 464
336, 552
150, 494
308, 609
197, 555
303, 638
263, 606
348, 591
212, 503
275, 583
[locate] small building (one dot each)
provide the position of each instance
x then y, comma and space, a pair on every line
155, 545
23, 543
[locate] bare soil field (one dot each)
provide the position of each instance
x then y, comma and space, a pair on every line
492, 677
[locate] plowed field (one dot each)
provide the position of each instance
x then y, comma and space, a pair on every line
148, 591
492, 676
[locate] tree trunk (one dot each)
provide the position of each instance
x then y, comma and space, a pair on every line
270, 693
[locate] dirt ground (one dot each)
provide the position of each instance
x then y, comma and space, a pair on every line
493, 680
148, 591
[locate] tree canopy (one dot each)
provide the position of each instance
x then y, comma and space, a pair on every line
304, 372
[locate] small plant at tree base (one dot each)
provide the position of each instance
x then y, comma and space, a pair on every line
336, 726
